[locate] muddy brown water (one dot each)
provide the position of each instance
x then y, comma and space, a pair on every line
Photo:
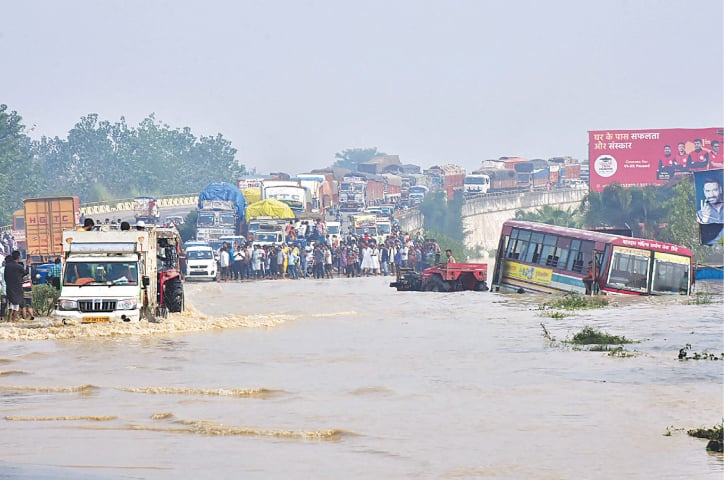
348, 378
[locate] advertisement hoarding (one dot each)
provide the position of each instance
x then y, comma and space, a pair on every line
636, 158
710, 205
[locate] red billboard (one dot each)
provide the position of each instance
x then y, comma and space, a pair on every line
636, 158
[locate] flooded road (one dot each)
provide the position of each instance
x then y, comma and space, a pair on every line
348, 378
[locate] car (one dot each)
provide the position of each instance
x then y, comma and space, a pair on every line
201, 262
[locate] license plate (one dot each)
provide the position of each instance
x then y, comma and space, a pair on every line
96, 319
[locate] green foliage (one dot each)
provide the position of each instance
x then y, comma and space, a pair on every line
576, 301
715, 435
103, 161
680, 226
552, 216
19, 176
352, 157
641, 209
684, 354
618, 352
188, 228
44, 299
444, 215
591, 336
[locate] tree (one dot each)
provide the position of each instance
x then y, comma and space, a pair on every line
18, 177
352, 157
552, 216
443, 216
681, 227
104, 161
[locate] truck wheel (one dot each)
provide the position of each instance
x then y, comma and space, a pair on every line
173, 295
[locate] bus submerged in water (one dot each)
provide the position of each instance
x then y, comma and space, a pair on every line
536, 257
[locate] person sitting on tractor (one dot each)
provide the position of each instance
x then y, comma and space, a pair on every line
450, 258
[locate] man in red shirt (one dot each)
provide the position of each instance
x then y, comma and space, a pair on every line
698, 158
682, 158
667, 165
715, 159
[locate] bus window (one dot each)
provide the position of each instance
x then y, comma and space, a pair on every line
518, 245
575, 257
629, 268
548, 256
534, 248
670, 273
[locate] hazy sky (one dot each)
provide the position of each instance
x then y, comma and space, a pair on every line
290, 83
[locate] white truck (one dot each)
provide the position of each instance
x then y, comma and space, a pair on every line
291, 192
120, 276
271, 233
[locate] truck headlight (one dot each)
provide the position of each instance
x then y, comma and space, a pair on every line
127, 304
67, 304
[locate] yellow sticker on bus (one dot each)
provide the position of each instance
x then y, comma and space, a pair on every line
529, 273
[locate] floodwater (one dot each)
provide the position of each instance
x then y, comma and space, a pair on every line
350, 379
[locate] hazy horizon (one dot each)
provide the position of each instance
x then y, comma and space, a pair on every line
290, 84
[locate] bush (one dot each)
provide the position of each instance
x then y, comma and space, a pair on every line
591, 336
715, 435
576, 301
45, 297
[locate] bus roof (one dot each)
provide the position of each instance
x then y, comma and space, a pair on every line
598, 237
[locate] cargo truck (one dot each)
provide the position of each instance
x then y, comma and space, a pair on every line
120, 276
45, 220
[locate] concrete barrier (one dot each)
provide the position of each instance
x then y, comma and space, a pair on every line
127, 205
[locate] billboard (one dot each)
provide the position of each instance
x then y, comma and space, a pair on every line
636, 158
710, 205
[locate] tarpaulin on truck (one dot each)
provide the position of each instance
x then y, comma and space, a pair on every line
227, 192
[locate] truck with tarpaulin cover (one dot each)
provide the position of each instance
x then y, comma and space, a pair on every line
221, 212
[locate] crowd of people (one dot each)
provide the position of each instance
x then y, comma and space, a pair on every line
315, 254
8, 244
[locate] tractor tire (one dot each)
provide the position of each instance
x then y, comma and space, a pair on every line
437, 284
481, 287
173, 295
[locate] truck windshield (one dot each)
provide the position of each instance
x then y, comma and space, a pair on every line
205, 220
227, 220
100, 273
265, 237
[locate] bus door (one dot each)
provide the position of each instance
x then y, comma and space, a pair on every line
598, 257
499, 259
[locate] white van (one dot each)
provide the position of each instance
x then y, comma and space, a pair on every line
201, 262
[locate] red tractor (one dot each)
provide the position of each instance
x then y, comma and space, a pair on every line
446, 277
